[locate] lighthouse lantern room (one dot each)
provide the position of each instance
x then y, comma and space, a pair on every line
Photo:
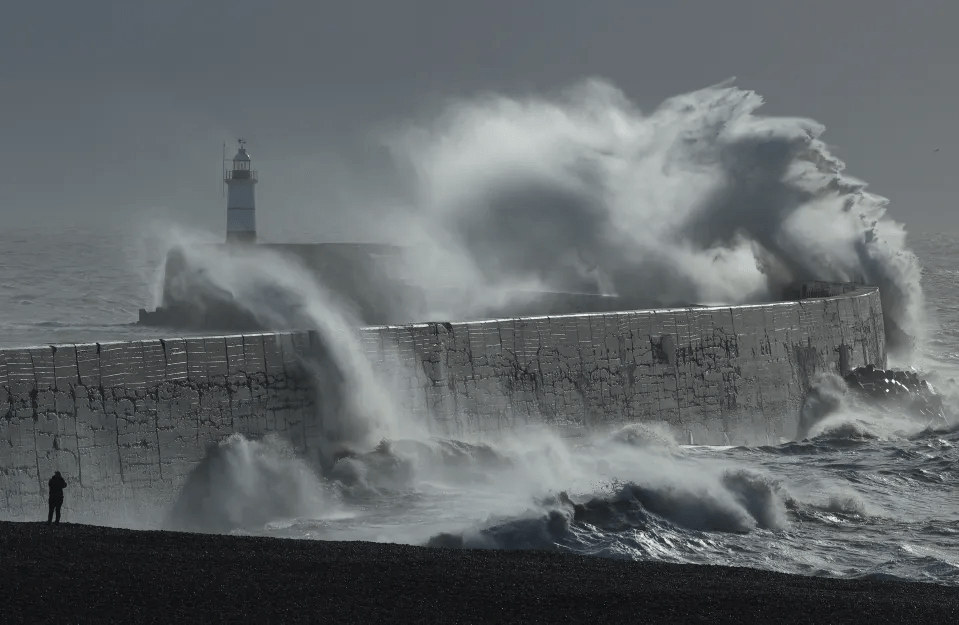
240, 198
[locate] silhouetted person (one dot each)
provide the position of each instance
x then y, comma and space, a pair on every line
57, 484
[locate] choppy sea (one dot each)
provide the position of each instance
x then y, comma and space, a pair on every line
874, 495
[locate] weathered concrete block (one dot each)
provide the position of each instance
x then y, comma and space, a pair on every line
56, 445
525, 341
20, 486
99, 460
154, 363
217, 367
235, 359
175, 351
20, 372
121, 365
43, 369
176, 432
273, 356
214, 414
4, 387
4, 378
370, 340
253, 355
498, 339
288, 355
88, 364
197, 361
66, 371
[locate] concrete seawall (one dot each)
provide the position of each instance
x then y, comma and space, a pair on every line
122, 419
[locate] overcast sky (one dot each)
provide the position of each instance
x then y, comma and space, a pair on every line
118, 110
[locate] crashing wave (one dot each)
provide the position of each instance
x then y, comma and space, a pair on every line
245, 484
744, 501
895, 400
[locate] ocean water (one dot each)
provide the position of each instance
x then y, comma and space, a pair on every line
874, 494
77, 285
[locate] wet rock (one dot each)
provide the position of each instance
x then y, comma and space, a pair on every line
896, 389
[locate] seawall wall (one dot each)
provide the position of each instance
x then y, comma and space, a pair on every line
123, 419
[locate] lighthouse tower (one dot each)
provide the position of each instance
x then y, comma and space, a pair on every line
240, 199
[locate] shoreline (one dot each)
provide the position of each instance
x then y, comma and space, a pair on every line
86, 573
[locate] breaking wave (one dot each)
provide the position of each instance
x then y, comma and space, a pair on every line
244, 484
743, 501
700, 200
887, 410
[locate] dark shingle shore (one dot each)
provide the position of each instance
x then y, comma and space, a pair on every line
82, 573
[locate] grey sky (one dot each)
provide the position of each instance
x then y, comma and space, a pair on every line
118, 109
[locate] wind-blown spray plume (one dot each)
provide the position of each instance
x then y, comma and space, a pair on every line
354, 406
242, 483
701, 200
247, 483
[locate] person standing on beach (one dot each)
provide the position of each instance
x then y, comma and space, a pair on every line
57, 484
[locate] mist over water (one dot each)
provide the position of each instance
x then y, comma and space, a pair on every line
244, 483
356, 407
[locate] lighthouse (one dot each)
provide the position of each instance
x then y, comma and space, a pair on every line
240, 198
